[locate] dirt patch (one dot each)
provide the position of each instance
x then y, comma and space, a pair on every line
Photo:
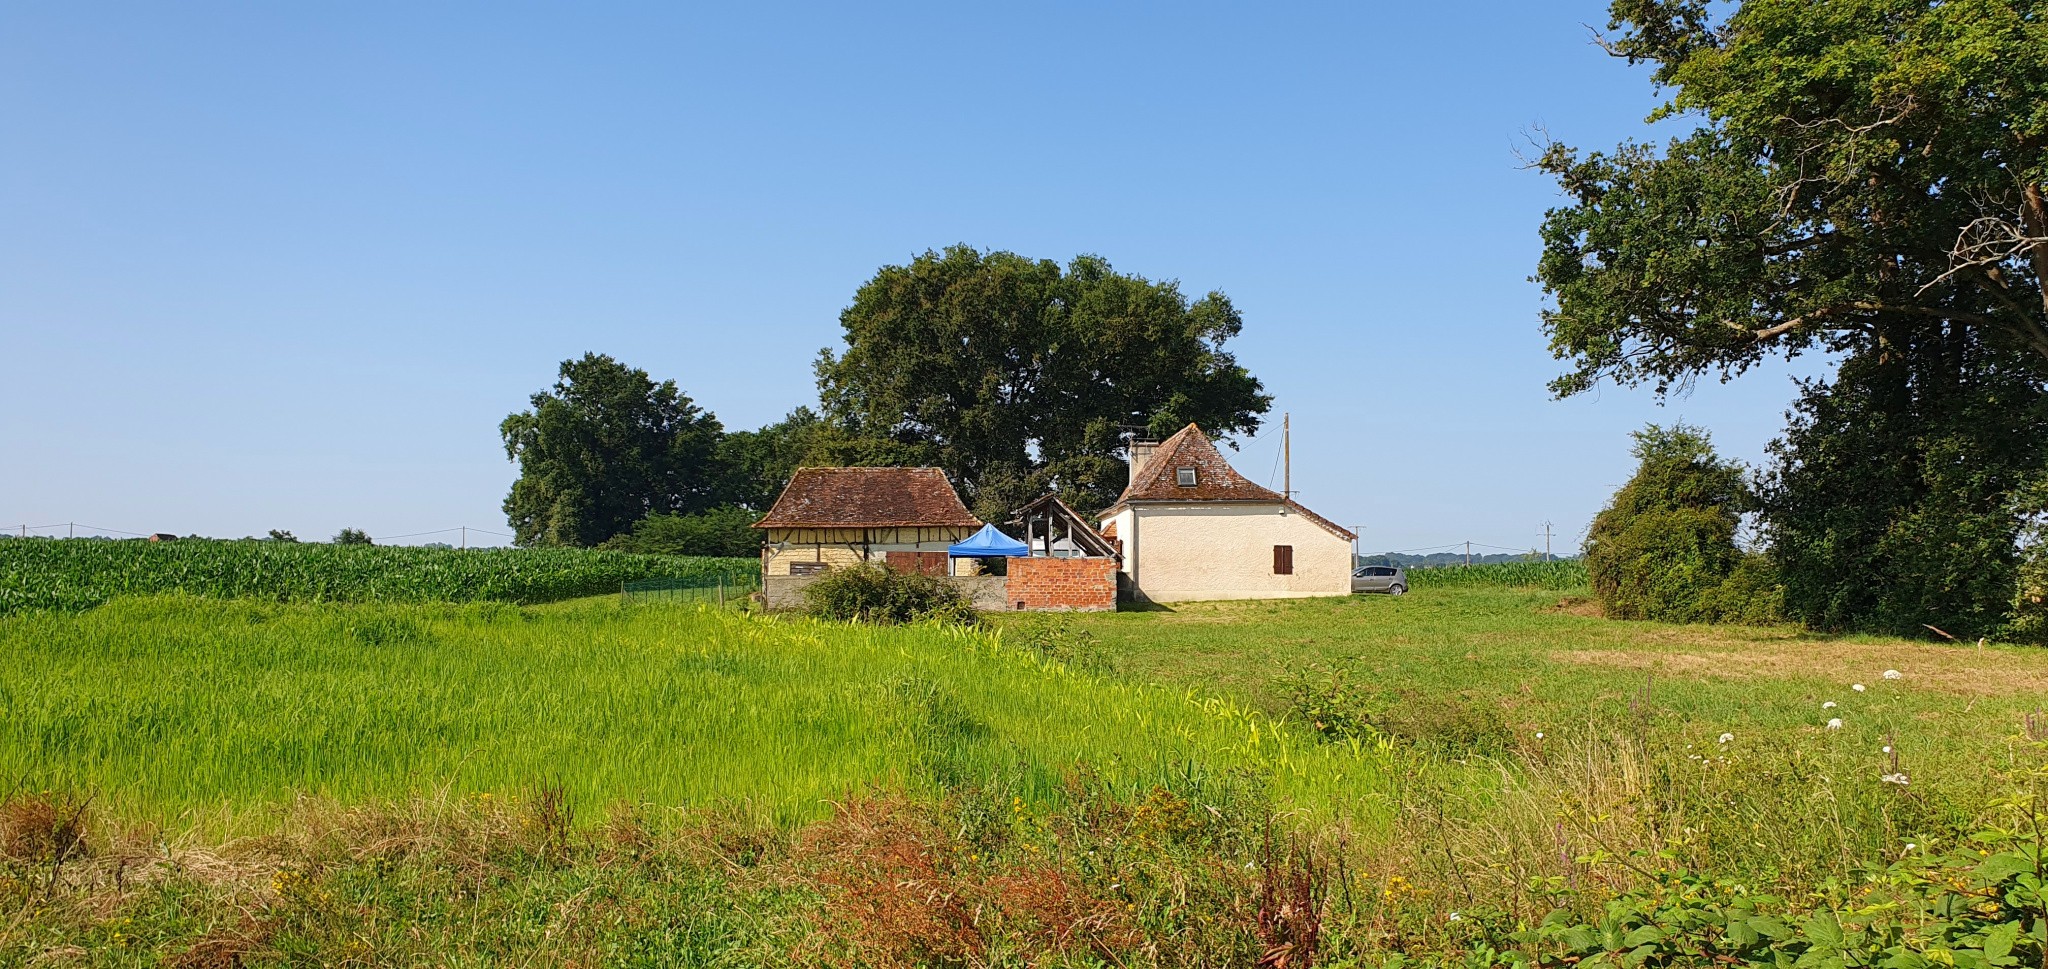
1581, 606
1959, 670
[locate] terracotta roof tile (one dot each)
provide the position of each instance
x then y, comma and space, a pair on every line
1215, 479
868, 498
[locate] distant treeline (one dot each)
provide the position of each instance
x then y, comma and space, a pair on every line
1438, 560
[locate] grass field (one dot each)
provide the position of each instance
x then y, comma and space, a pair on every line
78, 574
596, 783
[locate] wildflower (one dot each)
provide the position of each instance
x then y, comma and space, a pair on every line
1727, 737
1887, 748
1830, 705
1539, 735
1910, 846
1835, 724
1455, 917
1893, 675
1858, 687
1897, 777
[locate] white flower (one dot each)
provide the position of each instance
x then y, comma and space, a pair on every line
1893, 675
1455, 917
1727, 737
1910, 846
1899, 778
1830, 705
1887, 748
1539, 735
1858, 687
1835, 724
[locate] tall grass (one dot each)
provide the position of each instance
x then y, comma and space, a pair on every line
175, 706
1561, 575
72, 574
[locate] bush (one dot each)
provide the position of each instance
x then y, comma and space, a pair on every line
872, 593
1664, 547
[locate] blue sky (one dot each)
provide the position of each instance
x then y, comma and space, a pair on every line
288, 265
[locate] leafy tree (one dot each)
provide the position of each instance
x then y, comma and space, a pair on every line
282, 535
1665, 545
351, 536
725, 531
606, 447
1019, 376
1896, 496
1862, 172
758, 464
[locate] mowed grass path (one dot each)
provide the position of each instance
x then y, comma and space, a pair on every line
1559, 669
214, 712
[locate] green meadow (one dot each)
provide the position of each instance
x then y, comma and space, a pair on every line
216, 782
187, 711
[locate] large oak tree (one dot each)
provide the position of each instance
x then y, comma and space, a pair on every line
1019, 375
1858, 170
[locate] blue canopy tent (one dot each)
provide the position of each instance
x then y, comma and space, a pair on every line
989, 544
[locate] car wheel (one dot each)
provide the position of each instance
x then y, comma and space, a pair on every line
1399, 590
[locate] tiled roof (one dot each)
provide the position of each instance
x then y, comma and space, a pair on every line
868, 498
1215, 479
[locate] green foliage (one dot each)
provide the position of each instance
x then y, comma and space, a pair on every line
724, 532
59, 574
877, 594
757, 464
1865, 172
1018, 376
1664, 546
1895, 497
1336, 705
351, 536
606, 447
1561, 574
280, 535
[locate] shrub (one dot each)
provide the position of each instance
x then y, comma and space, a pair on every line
1665, 545
873, 593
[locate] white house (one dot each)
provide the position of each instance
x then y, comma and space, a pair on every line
1193, 528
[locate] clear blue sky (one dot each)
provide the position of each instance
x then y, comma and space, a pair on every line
288, 265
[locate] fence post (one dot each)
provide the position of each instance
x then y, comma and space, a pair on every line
721, 593
622, 592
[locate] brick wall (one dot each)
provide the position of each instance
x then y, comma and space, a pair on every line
1060, 585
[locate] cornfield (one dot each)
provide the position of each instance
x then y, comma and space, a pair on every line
80, 574
1560, 575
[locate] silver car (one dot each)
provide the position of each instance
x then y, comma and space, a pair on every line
1389, 579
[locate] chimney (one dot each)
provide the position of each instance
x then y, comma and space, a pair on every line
1140, 452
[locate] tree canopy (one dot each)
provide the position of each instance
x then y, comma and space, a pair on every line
606, 447
1861, 170
1019, 376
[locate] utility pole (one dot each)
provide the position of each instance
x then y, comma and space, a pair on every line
71, 530
465, 537
1286, 456
1546, 541
1468, 554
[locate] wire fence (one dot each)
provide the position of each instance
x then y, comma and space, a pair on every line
721, 591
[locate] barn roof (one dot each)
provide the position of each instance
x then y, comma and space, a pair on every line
868, 498
1215, 479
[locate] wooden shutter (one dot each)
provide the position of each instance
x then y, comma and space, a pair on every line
901, 561
1283, 560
